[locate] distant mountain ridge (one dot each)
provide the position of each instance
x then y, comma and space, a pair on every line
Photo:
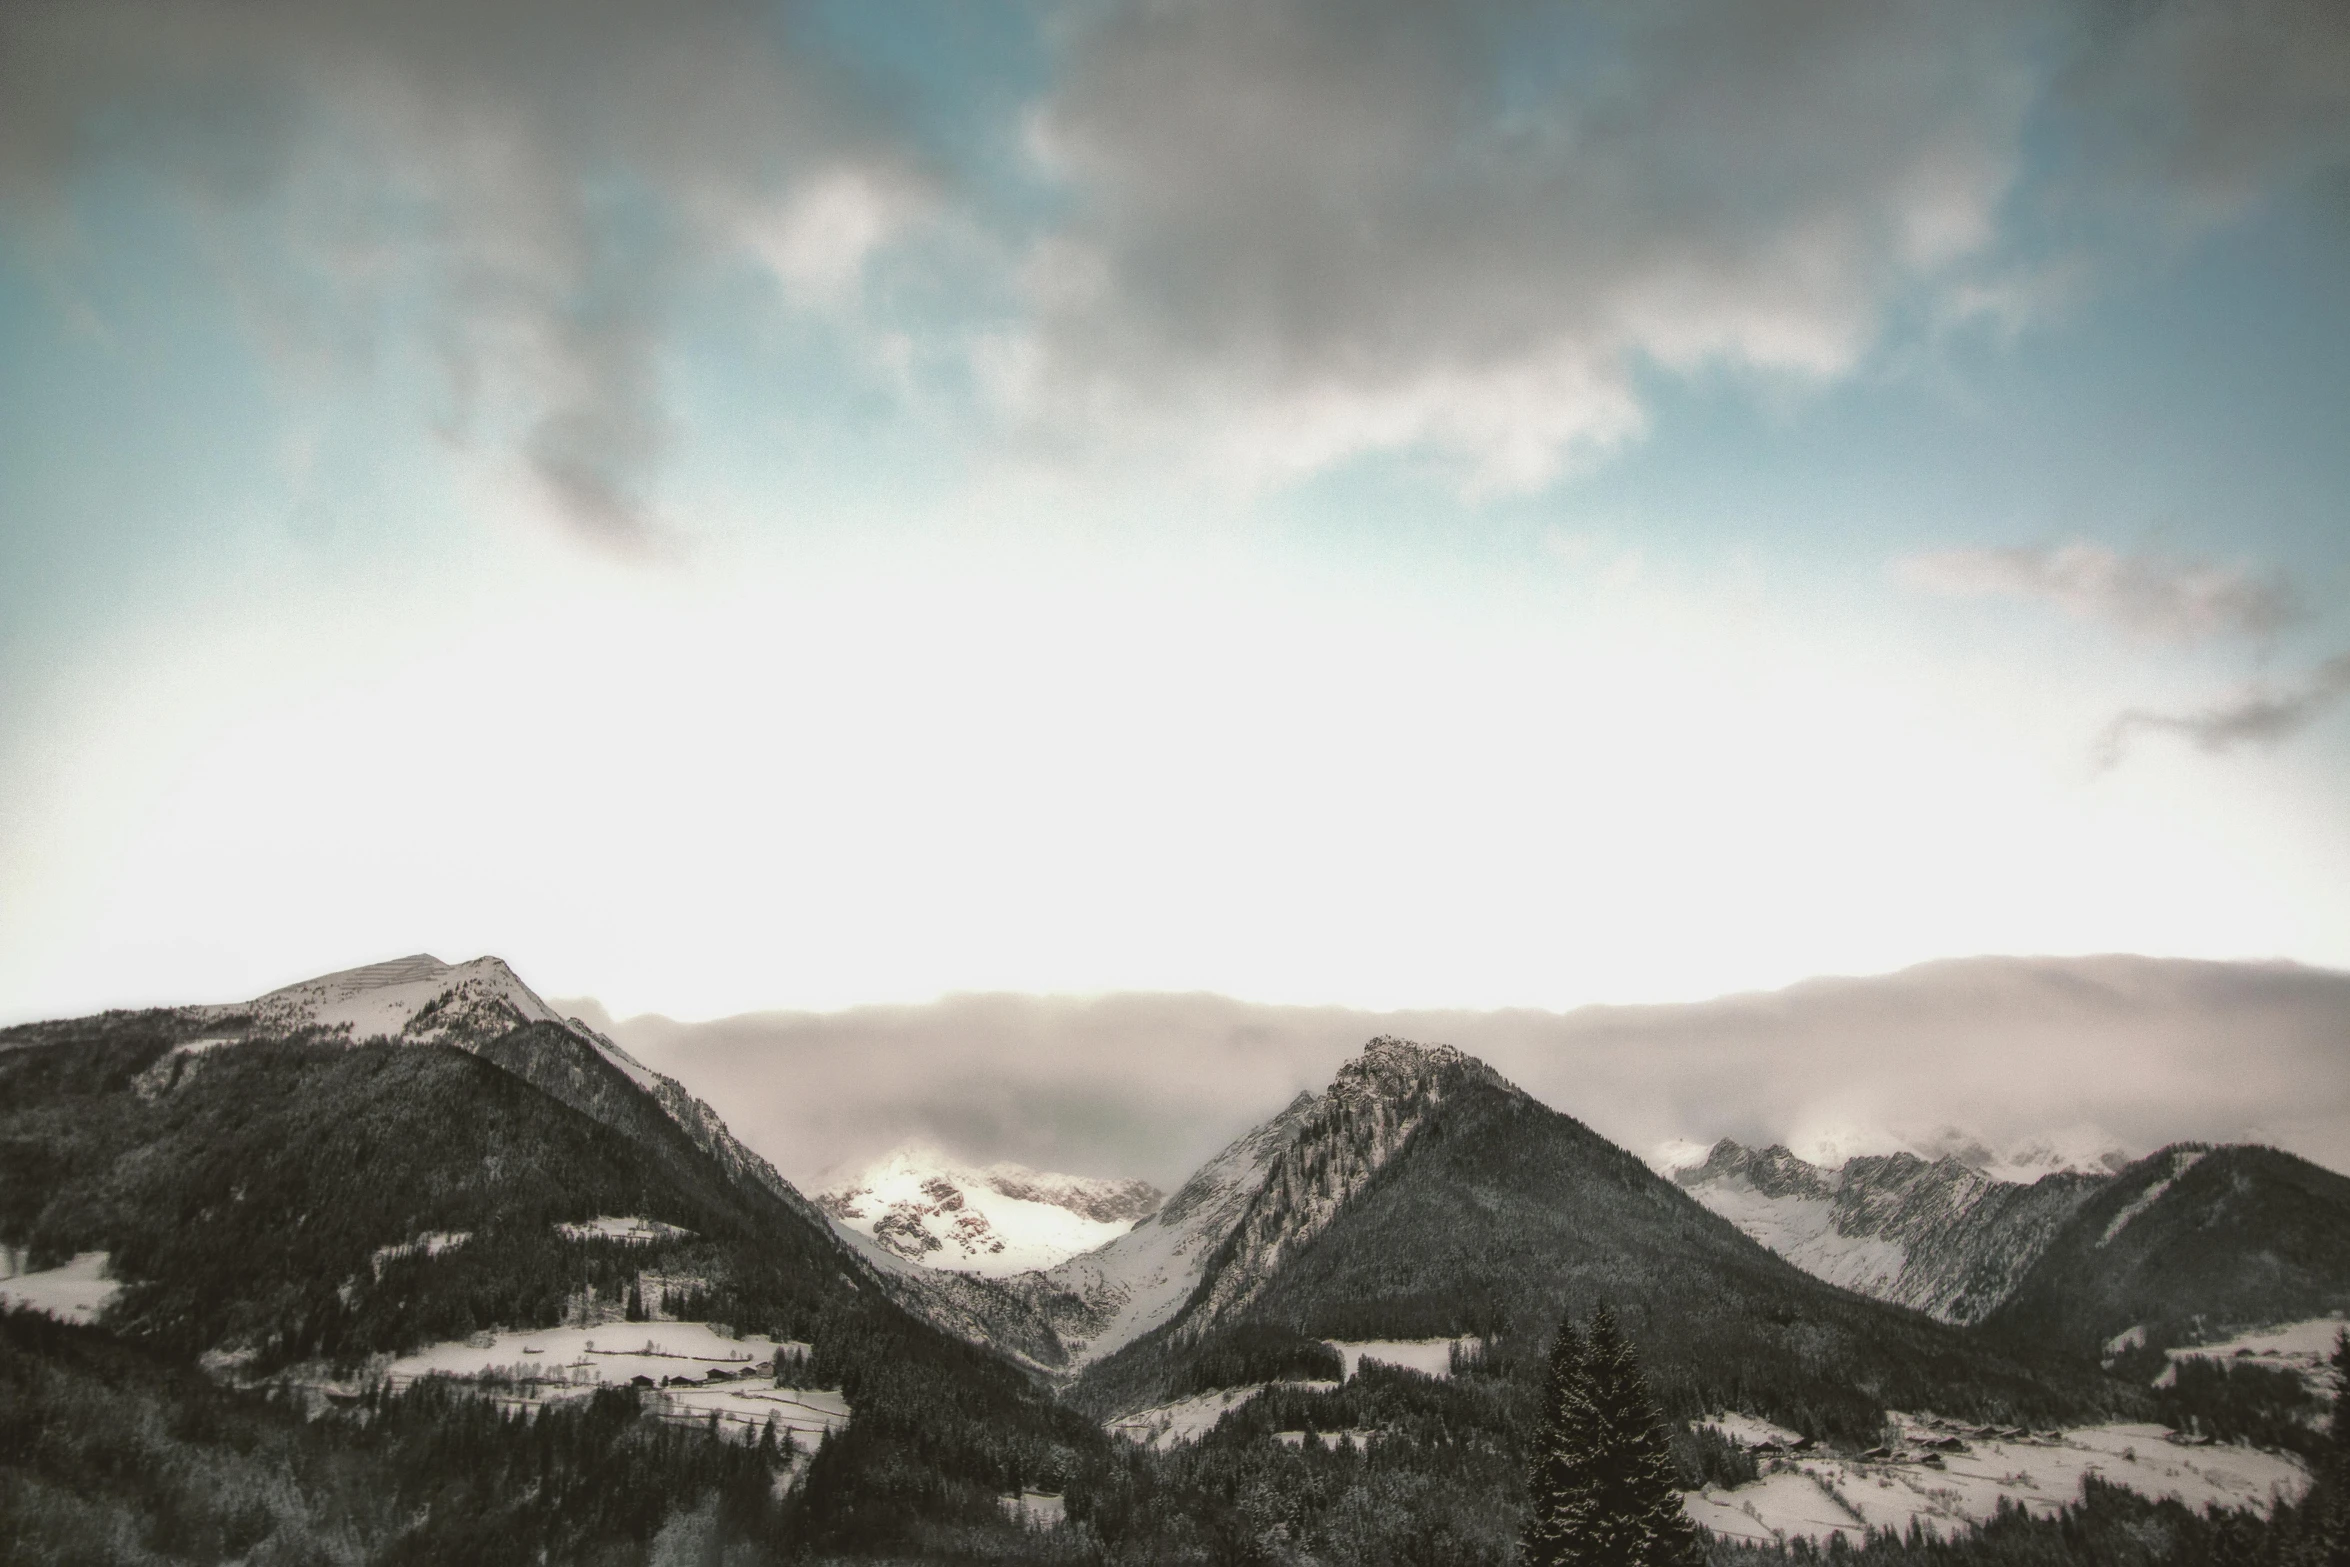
1939, 1235
2152, 1248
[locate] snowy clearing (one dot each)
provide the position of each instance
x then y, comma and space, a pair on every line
626, 1228
1360, 1437
430, 1244
1750, 1430
75, 1292
1036, 1509
1431, 1356
1949, 1490
610, 1352
2301, 1347
1189, 1419
550, 1363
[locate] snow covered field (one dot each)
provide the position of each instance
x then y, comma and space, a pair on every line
75, 1292
1751, 1430
1432, 1356
1036, 1509
1360, 1437
2302, 1347
626, 1228
1189, 1419
1817, 1497
569, 1361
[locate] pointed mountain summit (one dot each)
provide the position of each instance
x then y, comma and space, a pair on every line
483, 1007
1424, 1197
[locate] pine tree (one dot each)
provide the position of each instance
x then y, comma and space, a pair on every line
1602, 1478
2328, 1508
1565, 1499
1642, 1520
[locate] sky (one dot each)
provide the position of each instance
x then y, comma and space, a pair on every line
1374, 506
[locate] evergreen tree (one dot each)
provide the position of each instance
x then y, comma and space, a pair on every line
2328, 1507
1561, 1483
1641, 1518
1601, 1481
636, 1301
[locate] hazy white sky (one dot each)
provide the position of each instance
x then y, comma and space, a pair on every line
1387, 506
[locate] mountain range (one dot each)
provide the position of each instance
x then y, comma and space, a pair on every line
2178, 1248
340, 1172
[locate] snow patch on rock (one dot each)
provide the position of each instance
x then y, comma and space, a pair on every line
996, 1222
2181, 1162
75, 1291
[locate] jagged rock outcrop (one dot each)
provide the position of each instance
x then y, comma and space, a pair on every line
1939, 1235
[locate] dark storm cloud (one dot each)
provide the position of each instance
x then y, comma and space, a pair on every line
539, 171
2147, 595
2002, 1049
2258, 718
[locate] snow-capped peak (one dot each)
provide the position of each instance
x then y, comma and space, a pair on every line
998, 1221
417, 998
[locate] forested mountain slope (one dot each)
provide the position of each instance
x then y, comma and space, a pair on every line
1426, 1197
2186, 1246
281, 1199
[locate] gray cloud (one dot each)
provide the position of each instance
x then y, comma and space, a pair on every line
1286, 232
532, 176
1331, 227
2149, 1050
2259, 718
2177, 600
2205, 108
1315, 228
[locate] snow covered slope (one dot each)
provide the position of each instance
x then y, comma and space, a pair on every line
1943, 1235
1142, 1278
482, 1006
999, 1221
1061, 1318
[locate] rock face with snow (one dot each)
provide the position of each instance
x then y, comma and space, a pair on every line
1424, 1198
2185, 1244
1940, 1235
1378, 1101
1059, 1319
997, 1222
1140, 1280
